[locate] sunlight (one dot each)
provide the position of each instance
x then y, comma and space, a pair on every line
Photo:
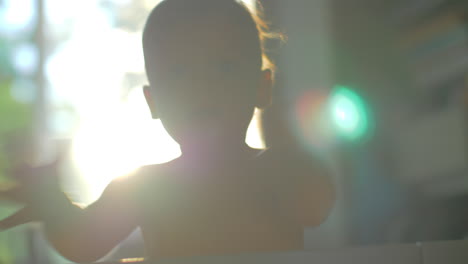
114, 137
113, 145
251, 4
254, 137
109, 146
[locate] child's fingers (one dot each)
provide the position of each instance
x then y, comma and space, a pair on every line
32, 183
34, 176
21, 173
13, 194
22, 216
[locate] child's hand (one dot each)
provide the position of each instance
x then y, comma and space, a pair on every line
33, 183
22, 216
36, 188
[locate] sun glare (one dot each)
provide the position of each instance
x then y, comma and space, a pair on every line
114, 138
116, 143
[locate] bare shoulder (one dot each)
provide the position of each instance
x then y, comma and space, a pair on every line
137, 184
288, 165
302, 182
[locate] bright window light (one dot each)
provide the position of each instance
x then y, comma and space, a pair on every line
89, 72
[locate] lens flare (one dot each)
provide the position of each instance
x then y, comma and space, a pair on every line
349, 113
312, 123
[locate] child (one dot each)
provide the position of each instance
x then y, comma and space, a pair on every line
205, 66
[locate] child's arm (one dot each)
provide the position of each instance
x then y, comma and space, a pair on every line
88, 234
81, 235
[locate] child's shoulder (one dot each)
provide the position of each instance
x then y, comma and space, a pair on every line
141, 181
287, 159
303, 182
288, 166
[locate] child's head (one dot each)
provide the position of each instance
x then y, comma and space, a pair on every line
204, 61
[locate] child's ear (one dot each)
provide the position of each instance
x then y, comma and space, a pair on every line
150, 101
264, 92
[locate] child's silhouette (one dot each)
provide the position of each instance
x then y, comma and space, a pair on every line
205, 66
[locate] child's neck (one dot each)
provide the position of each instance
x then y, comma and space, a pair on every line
214, 153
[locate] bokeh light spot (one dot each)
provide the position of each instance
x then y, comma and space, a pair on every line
312, 123
349, 113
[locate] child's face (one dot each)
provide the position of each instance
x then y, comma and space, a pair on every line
205, 80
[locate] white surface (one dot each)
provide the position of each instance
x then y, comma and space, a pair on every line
447, 252
395, 254
442, 252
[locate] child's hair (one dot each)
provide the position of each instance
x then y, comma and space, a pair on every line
170, 12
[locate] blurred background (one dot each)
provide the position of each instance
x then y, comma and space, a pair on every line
377, 90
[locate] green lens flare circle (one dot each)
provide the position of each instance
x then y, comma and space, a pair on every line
349, 113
